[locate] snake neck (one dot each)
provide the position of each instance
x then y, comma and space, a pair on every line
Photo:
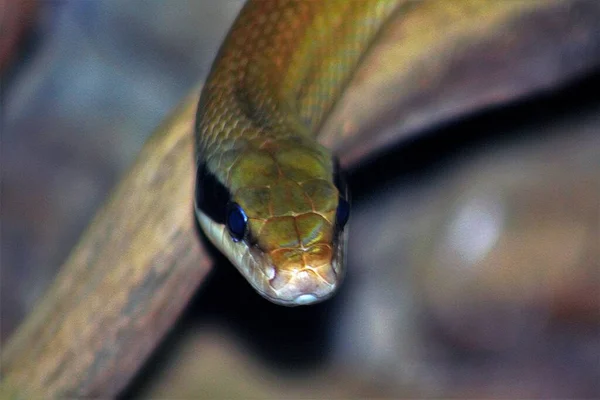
282, 67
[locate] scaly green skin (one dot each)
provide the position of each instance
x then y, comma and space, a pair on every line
279, 71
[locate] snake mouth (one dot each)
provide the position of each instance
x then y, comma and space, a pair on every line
304, 286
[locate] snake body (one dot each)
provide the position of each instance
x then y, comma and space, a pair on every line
268, 195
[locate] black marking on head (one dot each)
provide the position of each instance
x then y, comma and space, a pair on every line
339, 179
342, 212
212, 196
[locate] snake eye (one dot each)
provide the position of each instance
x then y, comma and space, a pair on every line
236, 221
342, 213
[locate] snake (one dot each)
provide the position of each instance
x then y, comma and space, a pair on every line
268, 195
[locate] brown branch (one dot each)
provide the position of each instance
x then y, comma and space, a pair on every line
133, 271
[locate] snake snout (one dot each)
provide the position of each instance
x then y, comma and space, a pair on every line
306, 285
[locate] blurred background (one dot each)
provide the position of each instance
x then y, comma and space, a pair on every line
474, 250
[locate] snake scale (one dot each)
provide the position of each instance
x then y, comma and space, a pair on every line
268, 195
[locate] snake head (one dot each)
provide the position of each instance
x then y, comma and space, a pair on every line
284, 221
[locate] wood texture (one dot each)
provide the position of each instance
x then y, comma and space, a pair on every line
123, 286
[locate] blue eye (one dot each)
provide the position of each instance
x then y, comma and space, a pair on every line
237, 221
342, 213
